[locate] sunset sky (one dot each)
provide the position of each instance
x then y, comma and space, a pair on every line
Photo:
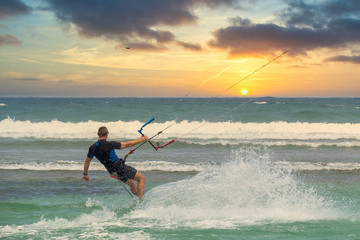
168, 48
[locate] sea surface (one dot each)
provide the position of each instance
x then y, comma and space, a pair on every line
239, 168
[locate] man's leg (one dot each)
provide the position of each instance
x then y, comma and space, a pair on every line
140, 188
132, 186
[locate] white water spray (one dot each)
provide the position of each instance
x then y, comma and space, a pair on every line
244, 190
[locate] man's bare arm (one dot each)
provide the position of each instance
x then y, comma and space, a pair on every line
133, 142
86, 169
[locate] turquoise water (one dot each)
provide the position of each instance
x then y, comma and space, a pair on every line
266, 168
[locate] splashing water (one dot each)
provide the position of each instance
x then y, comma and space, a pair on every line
247, 189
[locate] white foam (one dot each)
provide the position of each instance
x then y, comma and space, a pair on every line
2, 104
96, 166
50, 166
245, 190
89, 225
167, 166
173, 166
273, 133
320, 166
260, 102
10, 128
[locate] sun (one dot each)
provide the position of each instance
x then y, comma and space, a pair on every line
244, 91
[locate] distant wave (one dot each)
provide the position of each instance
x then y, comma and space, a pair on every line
225, 133
2, 104
96, 166
260, 102
319, 166
173, 166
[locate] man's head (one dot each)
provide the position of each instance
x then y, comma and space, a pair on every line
103, 132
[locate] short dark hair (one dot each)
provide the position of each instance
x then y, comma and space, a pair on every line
103, 131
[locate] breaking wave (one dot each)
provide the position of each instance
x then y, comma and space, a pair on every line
224, 133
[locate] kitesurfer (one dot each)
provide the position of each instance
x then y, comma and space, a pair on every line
104, 151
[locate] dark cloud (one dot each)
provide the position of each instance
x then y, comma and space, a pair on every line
331, 24
128, 21
269, 38
345, 59
190, 46
12, 8
8, 39
319, 14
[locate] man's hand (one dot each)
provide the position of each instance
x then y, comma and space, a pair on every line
86, 178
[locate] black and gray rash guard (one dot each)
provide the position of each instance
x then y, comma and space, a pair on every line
104, 151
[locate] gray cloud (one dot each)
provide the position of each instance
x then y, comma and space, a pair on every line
190, 46
331, 24
319, 14
130, 21
267, 38
8, 39
13, 8
345, 59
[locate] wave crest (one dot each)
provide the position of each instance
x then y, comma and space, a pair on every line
273, 133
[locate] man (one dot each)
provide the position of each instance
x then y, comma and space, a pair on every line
104, 151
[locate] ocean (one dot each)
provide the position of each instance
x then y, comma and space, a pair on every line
240, 168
